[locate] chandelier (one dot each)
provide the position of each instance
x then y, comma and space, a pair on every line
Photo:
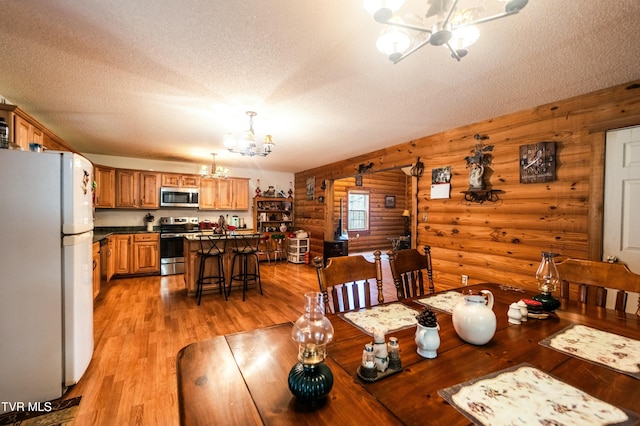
454, 26
215, 172
246, 145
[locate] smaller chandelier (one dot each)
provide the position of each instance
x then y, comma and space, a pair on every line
247, 144
215, 172
454, 27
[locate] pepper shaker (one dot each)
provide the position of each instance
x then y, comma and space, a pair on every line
514, 314
523, 310
394, 353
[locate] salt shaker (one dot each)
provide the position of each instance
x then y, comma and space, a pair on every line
368, 358
368, 368
394, 353
514, 314
523, 310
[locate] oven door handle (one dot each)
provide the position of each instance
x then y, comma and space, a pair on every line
170, 236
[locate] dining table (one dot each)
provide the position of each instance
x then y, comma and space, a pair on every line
242, 378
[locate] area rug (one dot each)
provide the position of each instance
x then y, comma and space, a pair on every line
51, 413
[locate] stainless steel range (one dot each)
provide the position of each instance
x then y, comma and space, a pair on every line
172, 231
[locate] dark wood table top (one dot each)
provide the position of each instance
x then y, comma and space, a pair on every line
242, 378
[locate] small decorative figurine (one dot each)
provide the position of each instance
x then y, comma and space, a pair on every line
258, 190
380, 350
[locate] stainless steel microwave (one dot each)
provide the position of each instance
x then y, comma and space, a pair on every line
179, 197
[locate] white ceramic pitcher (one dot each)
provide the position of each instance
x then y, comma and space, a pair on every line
474, 319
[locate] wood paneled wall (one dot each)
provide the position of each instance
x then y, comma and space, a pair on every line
502, 241
384, 221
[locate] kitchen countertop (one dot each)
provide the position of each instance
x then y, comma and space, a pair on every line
102, 232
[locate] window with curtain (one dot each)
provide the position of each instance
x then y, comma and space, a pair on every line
358, 211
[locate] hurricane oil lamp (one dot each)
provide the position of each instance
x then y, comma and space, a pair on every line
547, 277
310, 379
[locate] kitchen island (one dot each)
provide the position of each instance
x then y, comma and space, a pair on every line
192, 260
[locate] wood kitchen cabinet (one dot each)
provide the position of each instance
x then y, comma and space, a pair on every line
26, 133
24, 129
136, 189
96, 269
111, 259
174, 180
136, 253
105, 195
146, 253
224, 194
122, 254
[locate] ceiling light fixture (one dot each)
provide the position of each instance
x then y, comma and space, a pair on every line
247, 144
454, 27
215, 172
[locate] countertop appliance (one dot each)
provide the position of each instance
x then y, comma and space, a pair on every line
172, 231
179, 197
46, 308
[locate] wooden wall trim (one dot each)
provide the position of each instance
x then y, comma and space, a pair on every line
596, 196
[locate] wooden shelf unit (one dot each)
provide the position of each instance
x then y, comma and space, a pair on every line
271, 213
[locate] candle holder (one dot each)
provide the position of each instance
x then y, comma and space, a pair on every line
310, 379
547, 277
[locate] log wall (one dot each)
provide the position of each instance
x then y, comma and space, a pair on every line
501, 241
384, 222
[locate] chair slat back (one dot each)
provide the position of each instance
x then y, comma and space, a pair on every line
211, 244
587, 281
408, 268
346, 278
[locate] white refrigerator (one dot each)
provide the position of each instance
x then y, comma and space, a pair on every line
46, 292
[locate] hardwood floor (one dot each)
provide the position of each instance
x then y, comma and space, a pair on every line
140, 324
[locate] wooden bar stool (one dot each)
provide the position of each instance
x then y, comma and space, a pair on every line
245, 252
214, 251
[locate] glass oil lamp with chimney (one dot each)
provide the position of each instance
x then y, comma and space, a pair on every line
548, 278
310, 379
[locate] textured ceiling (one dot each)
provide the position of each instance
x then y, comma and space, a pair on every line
167, 79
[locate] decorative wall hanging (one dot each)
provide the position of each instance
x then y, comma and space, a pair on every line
440, 182
359, 180
311, 188
390, 201
477, 162
538, 162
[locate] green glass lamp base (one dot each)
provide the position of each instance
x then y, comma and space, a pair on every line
310, 383
549, 303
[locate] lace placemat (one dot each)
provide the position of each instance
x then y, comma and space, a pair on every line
619, 353
442, 301
392, 317
524, 395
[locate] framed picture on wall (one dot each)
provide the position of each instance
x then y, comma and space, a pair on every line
311, 188
390, 201
358, 180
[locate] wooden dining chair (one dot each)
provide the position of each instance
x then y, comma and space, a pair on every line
408, 268
587, 281
347, 278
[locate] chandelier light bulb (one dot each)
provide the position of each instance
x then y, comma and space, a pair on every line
393, 40
464, 37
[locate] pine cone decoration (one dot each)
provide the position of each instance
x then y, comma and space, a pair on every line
427, 318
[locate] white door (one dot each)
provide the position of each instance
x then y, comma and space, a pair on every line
622, 199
